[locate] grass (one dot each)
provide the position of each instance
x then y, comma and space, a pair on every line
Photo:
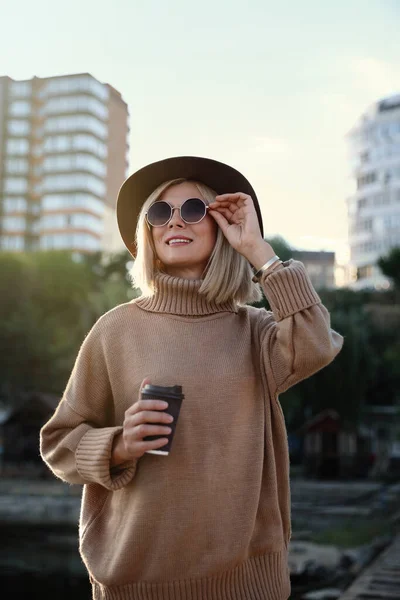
350, 534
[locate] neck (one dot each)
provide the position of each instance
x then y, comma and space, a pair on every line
188, 272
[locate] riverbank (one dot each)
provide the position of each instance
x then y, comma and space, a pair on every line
338, 527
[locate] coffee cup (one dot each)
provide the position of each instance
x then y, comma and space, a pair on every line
174, 396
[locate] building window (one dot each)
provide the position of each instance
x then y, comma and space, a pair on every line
15, 185
13, 224
17, 165
92, 144
21, 89
20, 108
74, 162
12, 242
72, 202
74, 104
362, 203
76, 84
17, 146
76, 123
74, 181
63, 143
14, 204
81, 241
18, 127
53, 222
72, 221
392, 221
365, 271
366, 179
82, 221
57, 143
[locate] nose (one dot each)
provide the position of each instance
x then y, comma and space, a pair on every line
176, 218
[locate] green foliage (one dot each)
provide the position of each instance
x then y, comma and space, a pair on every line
390, 266
343, 384
352, 533
281, 247
48, 302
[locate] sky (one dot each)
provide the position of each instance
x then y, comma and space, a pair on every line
270, 88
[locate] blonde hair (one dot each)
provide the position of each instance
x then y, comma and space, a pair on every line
227, 276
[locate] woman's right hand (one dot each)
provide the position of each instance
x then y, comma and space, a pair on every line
129, 443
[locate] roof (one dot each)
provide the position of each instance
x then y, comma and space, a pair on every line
329, 414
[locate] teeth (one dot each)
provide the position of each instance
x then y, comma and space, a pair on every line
178, 241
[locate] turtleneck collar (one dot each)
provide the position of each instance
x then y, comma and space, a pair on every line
178, 296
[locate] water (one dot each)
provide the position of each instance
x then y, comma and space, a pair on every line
56, 586
42, 563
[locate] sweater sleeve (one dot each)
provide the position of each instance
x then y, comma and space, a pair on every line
296, 338
76, 443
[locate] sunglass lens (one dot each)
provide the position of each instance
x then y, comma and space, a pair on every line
193, 210
159, 214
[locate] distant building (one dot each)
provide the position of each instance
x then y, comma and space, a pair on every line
333, 451
63, 157
374, 207
320, 266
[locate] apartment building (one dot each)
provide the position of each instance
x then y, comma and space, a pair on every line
63, 156
374, 206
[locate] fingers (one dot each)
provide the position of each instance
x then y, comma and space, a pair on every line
220, 219
232, 197
232, 205
232, 216
143, 430
136, 448
142, 404
228, 214
147, 416
138, 424
233, 201
143, 447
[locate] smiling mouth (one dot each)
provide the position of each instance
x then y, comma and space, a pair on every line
179, 242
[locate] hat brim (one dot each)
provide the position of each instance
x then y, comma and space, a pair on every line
137, 188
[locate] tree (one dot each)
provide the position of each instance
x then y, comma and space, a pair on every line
42, 301
390, 266
111, 284
281, 247
343, 384
48, 302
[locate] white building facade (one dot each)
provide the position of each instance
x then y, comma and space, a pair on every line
374, 206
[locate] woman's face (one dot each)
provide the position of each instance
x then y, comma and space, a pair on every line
186, 260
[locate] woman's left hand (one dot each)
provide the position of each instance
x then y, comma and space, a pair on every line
237, 217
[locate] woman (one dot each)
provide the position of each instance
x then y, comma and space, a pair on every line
212, 519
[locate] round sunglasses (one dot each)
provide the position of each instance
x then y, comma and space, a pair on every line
193, 210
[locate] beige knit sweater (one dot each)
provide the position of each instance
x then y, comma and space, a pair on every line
211, 521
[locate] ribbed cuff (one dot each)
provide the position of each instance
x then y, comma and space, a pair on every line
93, 457
289, 289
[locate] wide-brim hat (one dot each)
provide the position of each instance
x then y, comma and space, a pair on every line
135, 190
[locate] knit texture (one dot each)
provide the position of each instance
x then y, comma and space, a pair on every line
210, 521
